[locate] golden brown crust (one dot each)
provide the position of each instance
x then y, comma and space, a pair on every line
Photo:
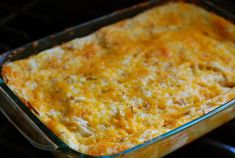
130, 81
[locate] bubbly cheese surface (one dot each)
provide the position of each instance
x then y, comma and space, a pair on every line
131, 81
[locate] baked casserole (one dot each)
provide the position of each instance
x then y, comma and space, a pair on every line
131, 81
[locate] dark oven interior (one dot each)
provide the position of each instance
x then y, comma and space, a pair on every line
27, 20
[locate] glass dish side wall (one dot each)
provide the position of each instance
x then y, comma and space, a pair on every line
23, 123
187, 133
42, 138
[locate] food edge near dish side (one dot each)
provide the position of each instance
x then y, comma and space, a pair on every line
100, 93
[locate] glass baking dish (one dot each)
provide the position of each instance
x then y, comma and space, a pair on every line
41, 137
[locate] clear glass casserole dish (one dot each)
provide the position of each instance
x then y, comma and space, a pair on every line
41, 137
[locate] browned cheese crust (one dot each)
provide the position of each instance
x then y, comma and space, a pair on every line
131, 81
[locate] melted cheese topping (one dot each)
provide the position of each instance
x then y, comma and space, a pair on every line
131, 81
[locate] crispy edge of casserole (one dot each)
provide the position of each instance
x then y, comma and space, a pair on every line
130, 81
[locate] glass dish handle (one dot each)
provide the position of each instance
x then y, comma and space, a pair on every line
23, 123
